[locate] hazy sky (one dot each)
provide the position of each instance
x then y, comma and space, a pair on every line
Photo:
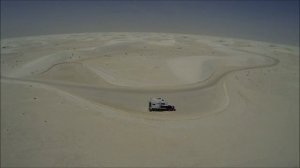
265, 20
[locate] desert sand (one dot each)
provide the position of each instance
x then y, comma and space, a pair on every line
82, 100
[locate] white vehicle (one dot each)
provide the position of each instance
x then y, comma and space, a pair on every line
159, 104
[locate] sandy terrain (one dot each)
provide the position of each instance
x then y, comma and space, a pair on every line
82, 99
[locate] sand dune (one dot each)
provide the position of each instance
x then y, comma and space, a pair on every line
82, 99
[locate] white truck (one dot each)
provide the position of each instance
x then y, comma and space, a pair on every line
159, 104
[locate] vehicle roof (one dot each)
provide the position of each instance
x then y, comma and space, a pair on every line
157, 100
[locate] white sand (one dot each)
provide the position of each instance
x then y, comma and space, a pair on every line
81, 100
